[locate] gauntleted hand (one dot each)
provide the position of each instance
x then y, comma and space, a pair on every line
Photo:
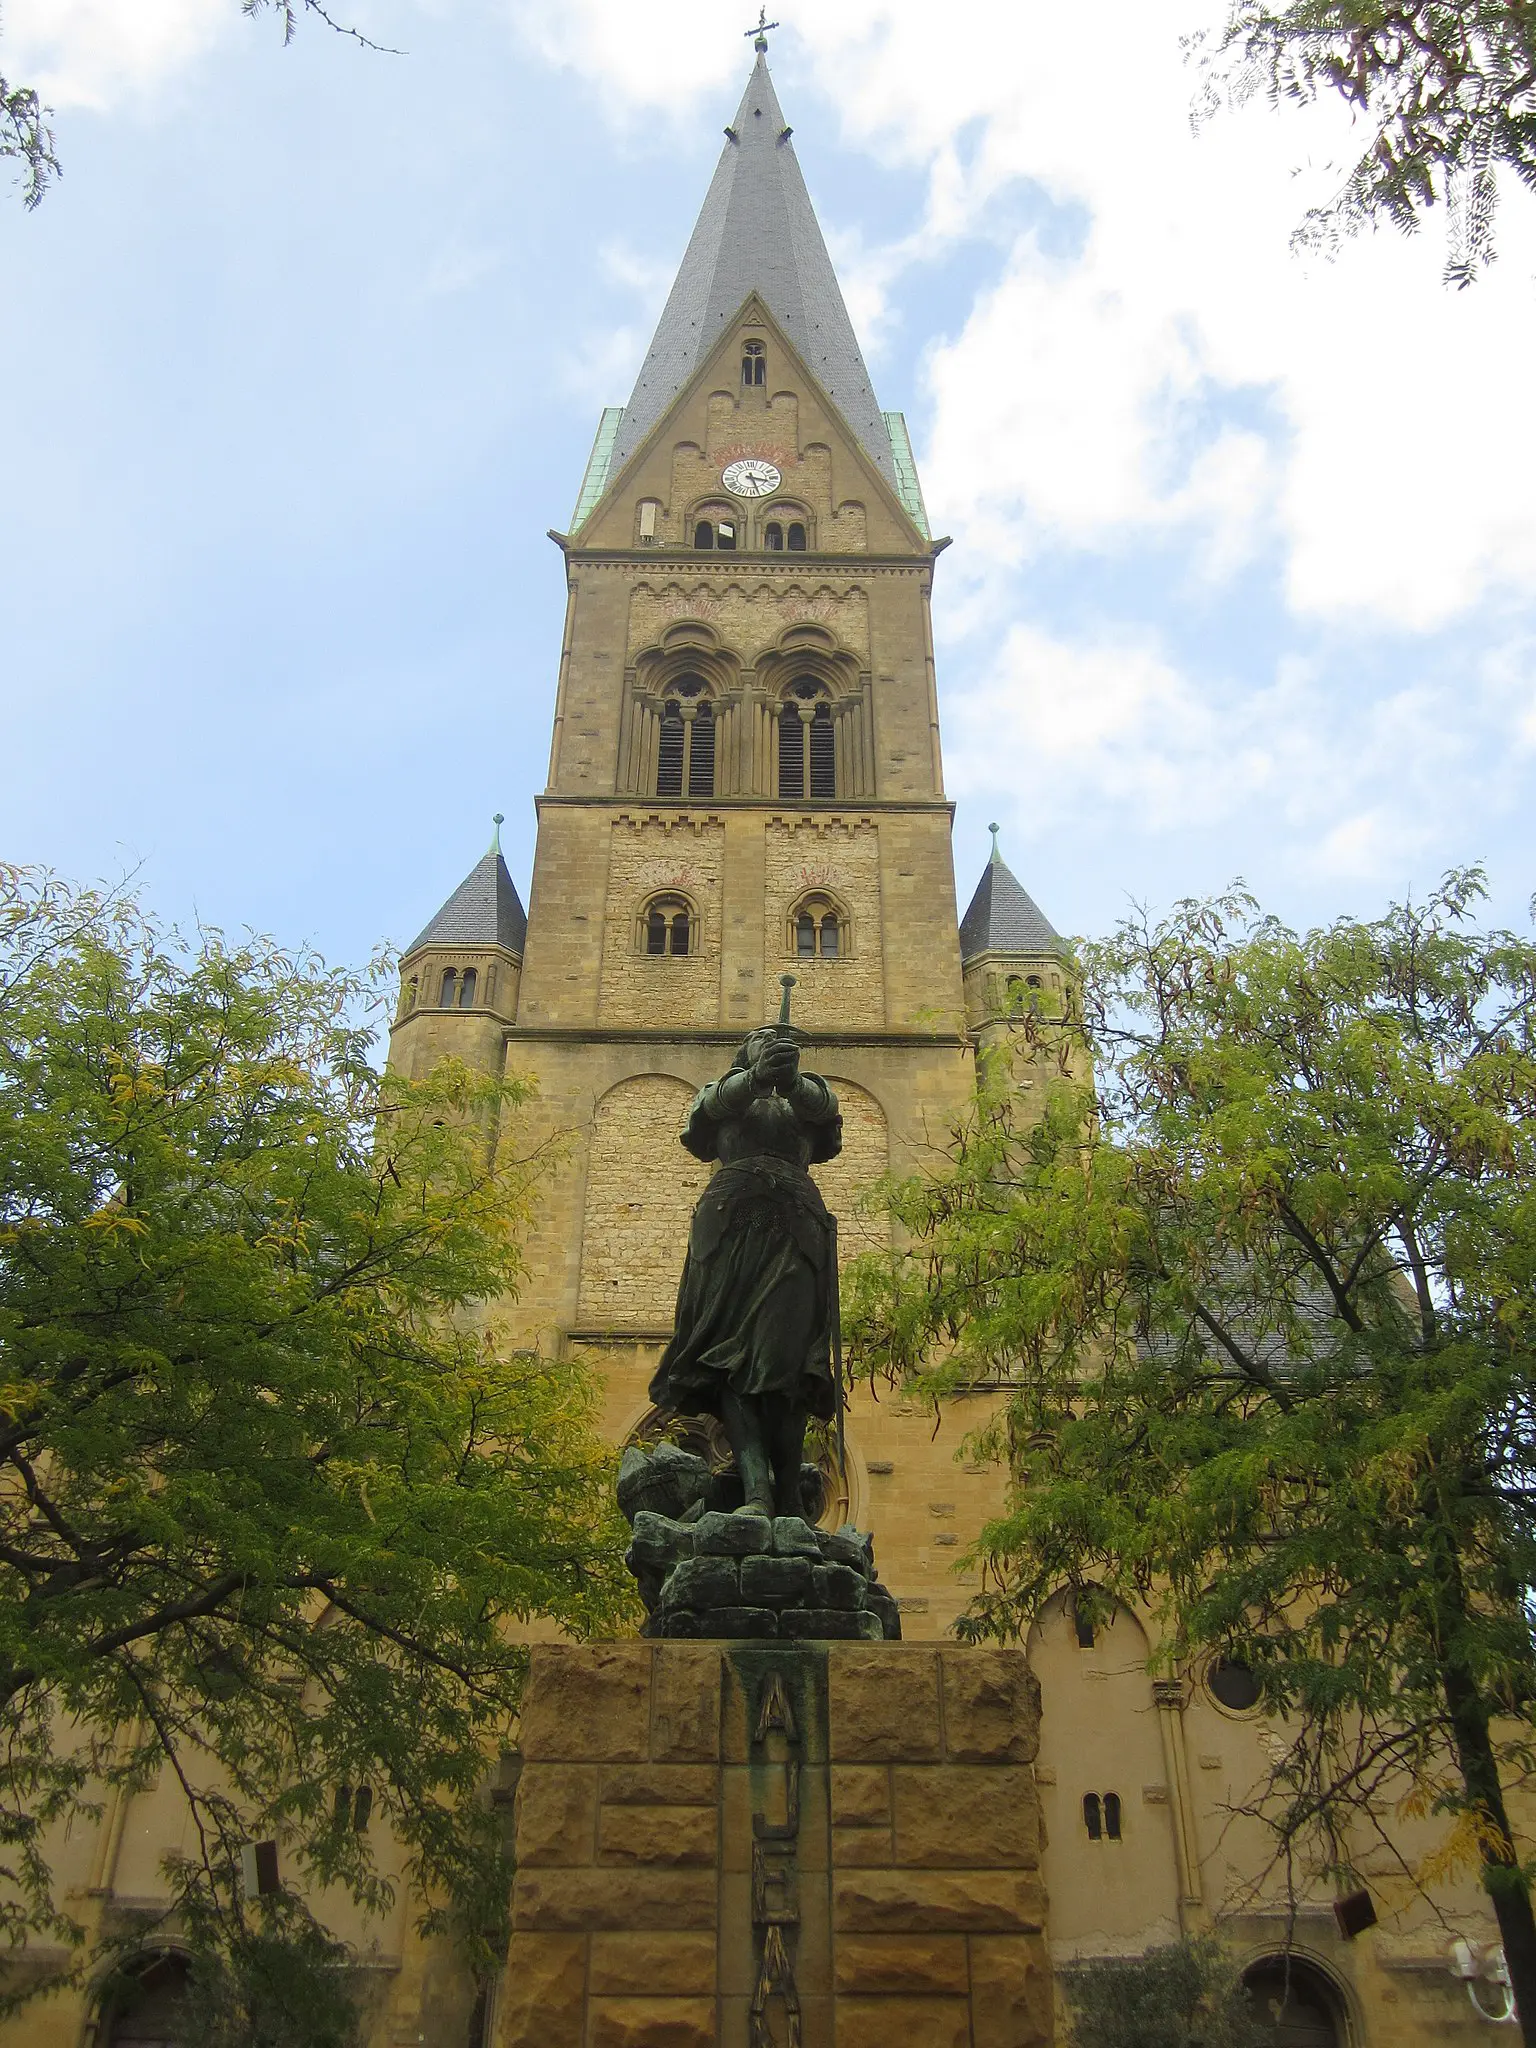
776, 1070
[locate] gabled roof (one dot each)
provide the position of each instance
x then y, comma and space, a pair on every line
1004, 917
757, 232
484, 910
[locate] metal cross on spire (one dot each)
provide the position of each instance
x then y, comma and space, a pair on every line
759, 34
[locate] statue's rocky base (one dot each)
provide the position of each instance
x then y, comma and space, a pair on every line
707, 1572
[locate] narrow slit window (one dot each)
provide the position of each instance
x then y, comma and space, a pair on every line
1093, 1819
754, 364
408, 1000
656, 932
1112, 1816
791, 753
805, 935
341, 1806
773, 537
669, 753
467, 989
362, 1809
831, 939
823, 753
701, 753
796, 537
449, 990
1084, 1632
704, 534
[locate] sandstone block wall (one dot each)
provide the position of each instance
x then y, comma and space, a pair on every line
715, 1841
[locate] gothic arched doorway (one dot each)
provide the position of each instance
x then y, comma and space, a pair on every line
1296, 2000
143, 2007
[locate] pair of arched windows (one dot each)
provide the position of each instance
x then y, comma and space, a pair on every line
457, 990
729, 534
807, 744
685, 745
754, 364
777, 537
667, 927
1101, 1816
818, 931
716, 533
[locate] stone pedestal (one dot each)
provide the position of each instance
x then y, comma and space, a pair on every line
778, 1845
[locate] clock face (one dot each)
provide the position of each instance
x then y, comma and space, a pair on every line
752, 478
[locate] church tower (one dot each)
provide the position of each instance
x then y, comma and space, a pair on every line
745, 781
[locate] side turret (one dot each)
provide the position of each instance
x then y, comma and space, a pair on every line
459, 979
1012, 958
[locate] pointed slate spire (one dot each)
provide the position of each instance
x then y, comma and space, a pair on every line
757, 231
485, 909
1004, 917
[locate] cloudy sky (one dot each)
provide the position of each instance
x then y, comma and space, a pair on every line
306, 353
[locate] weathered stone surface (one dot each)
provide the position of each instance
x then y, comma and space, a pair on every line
702, 1582
902, 1962
933, 2022
655, 1965
685, 1704
661, 1479
850, 1546
938, 1902
732, 1535
658, 1834
581, 1901
838, 1585
1011, 2002
965, 1815
861, 1795
543, 2002
588, 1703
822, 1624
884, 1704
991, 1706
883, 1605
724, 1624
794, 1538
863, 1847
556, 1814
652, 2023
775, 1581
659, 1785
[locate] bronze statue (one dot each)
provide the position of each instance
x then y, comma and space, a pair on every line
753, 1337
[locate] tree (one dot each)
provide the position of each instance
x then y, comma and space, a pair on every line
1186, 1994
1260, 1301
26, 136
272, 1480
1445, 92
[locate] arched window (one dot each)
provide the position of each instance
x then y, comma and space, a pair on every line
754, 363
805, 935
666, 926
409, 995
704, 534
725, 534
685, 748
823, 753
831, 937
669, 751
807, 742
146, 2006
816, 929
796, 537
1093, 1819
1112, 1816
773, 537
448, 993
791, 752
467, 989
701, 751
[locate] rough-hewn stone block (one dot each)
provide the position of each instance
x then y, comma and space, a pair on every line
861, 1795
543, 2002
588, 1703
685, 1708
652, 2023
653, 1965
862, 1847
775, 1581
658, 1834
965, 1815
1011, 2002
659, 1785
930, 2022
991, 1707
938, 1902
556, 1814
838, 1585
884, 1704
581, 1901
902, 1962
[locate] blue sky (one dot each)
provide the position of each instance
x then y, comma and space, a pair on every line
306, 352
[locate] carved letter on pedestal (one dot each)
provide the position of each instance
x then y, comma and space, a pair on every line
775, 1893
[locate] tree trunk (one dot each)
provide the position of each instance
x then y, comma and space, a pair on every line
1502, 1879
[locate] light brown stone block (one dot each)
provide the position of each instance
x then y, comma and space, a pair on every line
652, 2023
659, 1785
991, 1707
658, 1834
914, 2022
965, 1815
588, 1703
556, 1814
861, 1795
1011, 2002
902, 1962
938, 1902
883, 1703
653, 1965
581, 1901
862, 1848
685, 1704
544, 1998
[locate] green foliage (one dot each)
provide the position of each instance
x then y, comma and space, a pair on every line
272, 1482
1185, 1995
1260, 1300
1445, 91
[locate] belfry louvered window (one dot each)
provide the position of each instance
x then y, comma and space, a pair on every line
685, 744
669, 753
823, 753
701, 752
807, 744
791, 753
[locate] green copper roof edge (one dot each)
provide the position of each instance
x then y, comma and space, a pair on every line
595, 482
907, 483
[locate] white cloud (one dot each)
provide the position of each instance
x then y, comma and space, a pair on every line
97, 53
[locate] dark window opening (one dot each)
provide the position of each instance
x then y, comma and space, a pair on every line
823, 753
1084, 1632
341, 1806
725, 536
680, 932
467, 989
805, 935
1232, 1683
1112, 1816
791, 753
831, 943
796, 538
773, 537
701, 753
1092, 1818
704, 534
146, 2007
655, 933
669, 753
754, 363
445, 998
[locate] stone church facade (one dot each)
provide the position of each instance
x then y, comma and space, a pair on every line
746, 781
